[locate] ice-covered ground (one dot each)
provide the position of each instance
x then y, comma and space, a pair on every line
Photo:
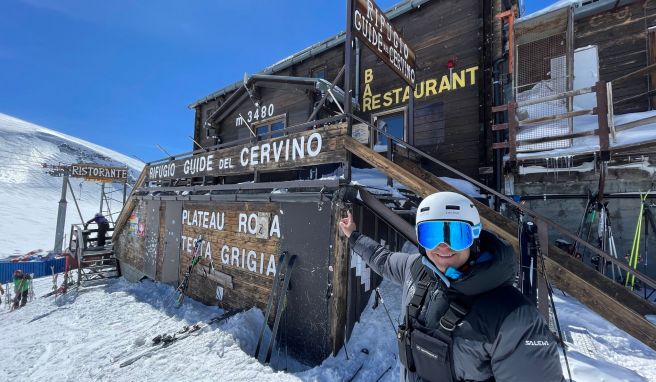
29, 197
85, 334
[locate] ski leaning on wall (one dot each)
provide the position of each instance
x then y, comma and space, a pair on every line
278, 297
181, 291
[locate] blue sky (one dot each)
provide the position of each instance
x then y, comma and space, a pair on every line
121, 73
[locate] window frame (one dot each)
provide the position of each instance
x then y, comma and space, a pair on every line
268, 122
376, 116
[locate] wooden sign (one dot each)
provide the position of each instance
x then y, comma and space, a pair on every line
99, 173
306, 148
239, 250
372, 27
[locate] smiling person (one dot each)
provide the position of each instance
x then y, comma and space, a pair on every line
462, 318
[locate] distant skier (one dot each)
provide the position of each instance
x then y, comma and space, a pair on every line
103, 227
21, 288
462, 318
2, 292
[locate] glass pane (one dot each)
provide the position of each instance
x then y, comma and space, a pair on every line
277, 126
262, 130
393, 124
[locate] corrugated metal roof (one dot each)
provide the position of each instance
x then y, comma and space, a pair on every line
311, 51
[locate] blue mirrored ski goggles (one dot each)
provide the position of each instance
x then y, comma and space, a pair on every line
456, 234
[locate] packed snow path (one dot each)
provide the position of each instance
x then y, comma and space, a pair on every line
84, 335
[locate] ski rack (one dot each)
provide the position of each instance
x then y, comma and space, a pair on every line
277, 298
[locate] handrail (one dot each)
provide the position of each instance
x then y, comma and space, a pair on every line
525, 210
78, 229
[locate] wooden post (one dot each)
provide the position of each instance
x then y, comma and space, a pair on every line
602, 117
611, 111
512, 132
339, 282
348, 82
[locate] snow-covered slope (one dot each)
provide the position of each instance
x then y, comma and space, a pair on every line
85, 335
29, 196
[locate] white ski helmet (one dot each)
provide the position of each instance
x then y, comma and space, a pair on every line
449, 206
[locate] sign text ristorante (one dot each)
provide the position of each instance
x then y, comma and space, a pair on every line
99, 173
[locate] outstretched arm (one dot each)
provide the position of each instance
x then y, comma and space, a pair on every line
390, 265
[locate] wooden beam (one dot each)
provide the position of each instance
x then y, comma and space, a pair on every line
496, 109
611, 307
500, 145
501, 126
557, 117
602, 117
338, 306
632, 124
388, 167
128, 207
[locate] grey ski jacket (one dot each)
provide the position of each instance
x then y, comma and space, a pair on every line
487, 345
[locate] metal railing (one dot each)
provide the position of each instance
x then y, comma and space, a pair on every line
518, 207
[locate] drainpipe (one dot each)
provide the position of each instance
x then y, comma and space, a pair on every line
357, 71
498, 99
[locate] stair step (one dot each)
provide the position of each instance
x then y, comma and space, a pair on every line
93, 262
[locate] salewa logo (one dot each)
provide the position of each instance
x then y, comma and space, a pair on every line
536, 343
423, 350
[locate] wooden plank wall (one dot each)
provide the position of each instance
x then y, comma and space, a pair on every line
129, 247
448, 113
248, 288
621, 38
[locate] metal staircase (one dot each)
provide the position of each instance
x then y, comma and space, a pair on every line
94, 263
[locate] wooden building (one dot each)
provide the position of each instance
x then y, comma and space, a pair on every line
271, 171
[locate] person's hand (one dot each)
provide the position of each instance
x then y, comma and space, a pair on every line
347, 225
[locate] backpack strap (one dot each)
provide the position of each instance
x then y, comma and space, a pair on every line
421, 279
457, 310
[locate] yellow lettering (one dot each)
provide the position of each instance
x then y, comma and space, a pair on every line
406, 93
419, 87
445, 84
375, 102
366, 104
387, 99
367, 91
472, 74
431, 87
368, 75
458, 80
397, 92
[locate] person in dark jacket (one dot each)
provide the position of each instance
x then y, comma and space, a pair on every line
103, 227
462, 318
21, 288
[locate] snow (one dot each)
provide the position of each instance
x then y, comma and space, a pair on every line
85, 334
25, 186
376, 182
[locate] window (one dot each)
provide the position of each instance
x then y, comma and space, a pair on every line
270, 129
319, 72
393, 123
